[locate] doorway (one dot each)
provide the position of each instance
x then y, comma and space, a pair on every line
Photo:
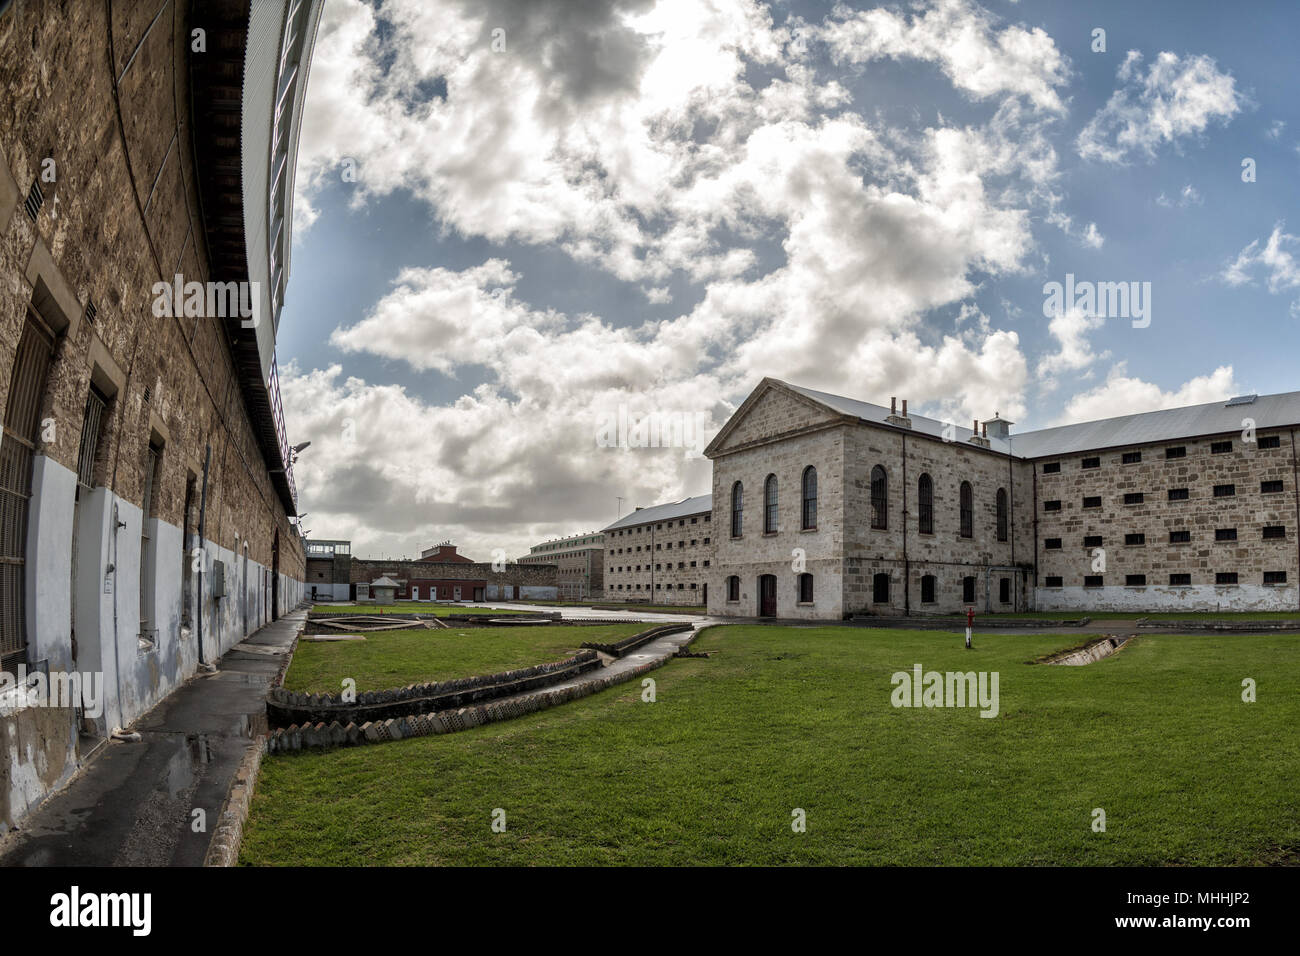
767, 595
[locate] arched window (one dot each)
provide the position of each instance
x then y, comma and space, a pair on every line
880, 588
733, 588
769, 505
1002, 514
879, 498
805, 589
967, 510
925, 503
809, 498
737, 509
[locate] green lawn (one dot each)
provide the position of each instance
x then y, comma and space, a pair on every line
387, 659
414, 607
778, 719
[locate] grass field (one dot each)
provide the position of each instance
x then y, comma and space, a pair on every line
388, 659
1157, 736
415, 607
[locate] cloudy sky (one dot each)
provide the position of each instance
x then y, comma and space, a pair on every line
515, 218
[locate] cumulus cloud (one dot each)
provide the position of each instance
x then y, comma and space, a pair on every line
1075, 354
1189, 195
1122, 394
1174, 99
963, 40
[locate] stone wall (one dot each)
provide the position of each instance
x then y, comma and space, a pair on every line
1248, 510
96, 113
660, 562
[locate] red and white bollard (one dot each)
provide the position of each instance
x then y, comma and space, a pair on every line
970, 622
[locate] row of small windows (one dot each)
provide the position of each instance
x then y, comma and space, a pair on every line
1174, 452
681, 566
660, 546
658, 587
803, 588
1175, 494
645, 528
1175, 580
1273, 532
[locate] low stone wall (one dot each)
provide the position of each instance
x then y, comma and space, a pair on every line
285, 708
310, 736
629, 644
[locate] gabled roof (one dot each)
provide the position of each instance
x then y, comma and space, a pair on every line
384, 582
878, 414
676, 509
1170, 424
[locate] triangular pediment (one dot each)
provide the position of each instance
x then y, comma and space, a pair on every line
772, 410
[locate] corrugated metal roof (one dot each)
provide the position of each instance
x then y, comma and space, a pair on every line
676, 509
1170, 424
878, 413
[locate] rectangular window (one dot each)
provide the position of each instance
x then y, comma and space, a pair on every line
1270, 441
1220, 447
1270, 487
1274, 532
1004, 590
1179, 494
1275, 577
1092, 581
1179, 537
1225, 491
1092, 541
1180, 580
1092, 501
1135, 580
1092, 463
1052, 544
1225, 534
1051, 506
1134, 498
1226, 577
1054, 581
968, 590
1051, 467
1135, 539
1178, 451
1131, 457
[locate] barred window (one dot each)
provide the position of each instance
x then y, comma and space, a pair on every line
737, 509
879, 498
967, 504
809, 498
769, 505
925, 504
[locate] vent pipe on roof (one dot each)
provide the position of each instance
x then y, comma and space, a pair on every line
893, 405
904, 408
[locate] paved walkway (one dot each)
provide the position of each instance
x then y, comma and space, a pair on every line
133, 804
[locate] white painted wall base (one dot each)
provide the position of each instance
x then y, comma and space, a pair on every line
1204, 597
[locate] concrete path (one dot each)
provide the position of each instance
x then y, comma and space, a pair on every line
133, 805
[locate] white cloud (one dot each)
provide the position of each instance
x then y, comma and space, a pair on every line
1189, 195
1273, 258
1176, 98
963, 40
1122, 394
1071, 330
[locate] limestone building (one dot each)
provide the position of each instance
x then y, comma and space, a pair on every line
826, 506
580, 564
662, 554
146, 483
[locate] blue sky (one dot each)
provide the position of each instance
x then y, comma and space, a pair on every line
654, 204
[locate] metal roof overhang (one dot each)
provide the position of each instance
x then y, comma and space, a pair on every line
216, 94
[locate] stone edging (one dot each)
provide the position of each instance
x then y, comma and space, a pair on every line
228, 837
628, 644
321, 735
